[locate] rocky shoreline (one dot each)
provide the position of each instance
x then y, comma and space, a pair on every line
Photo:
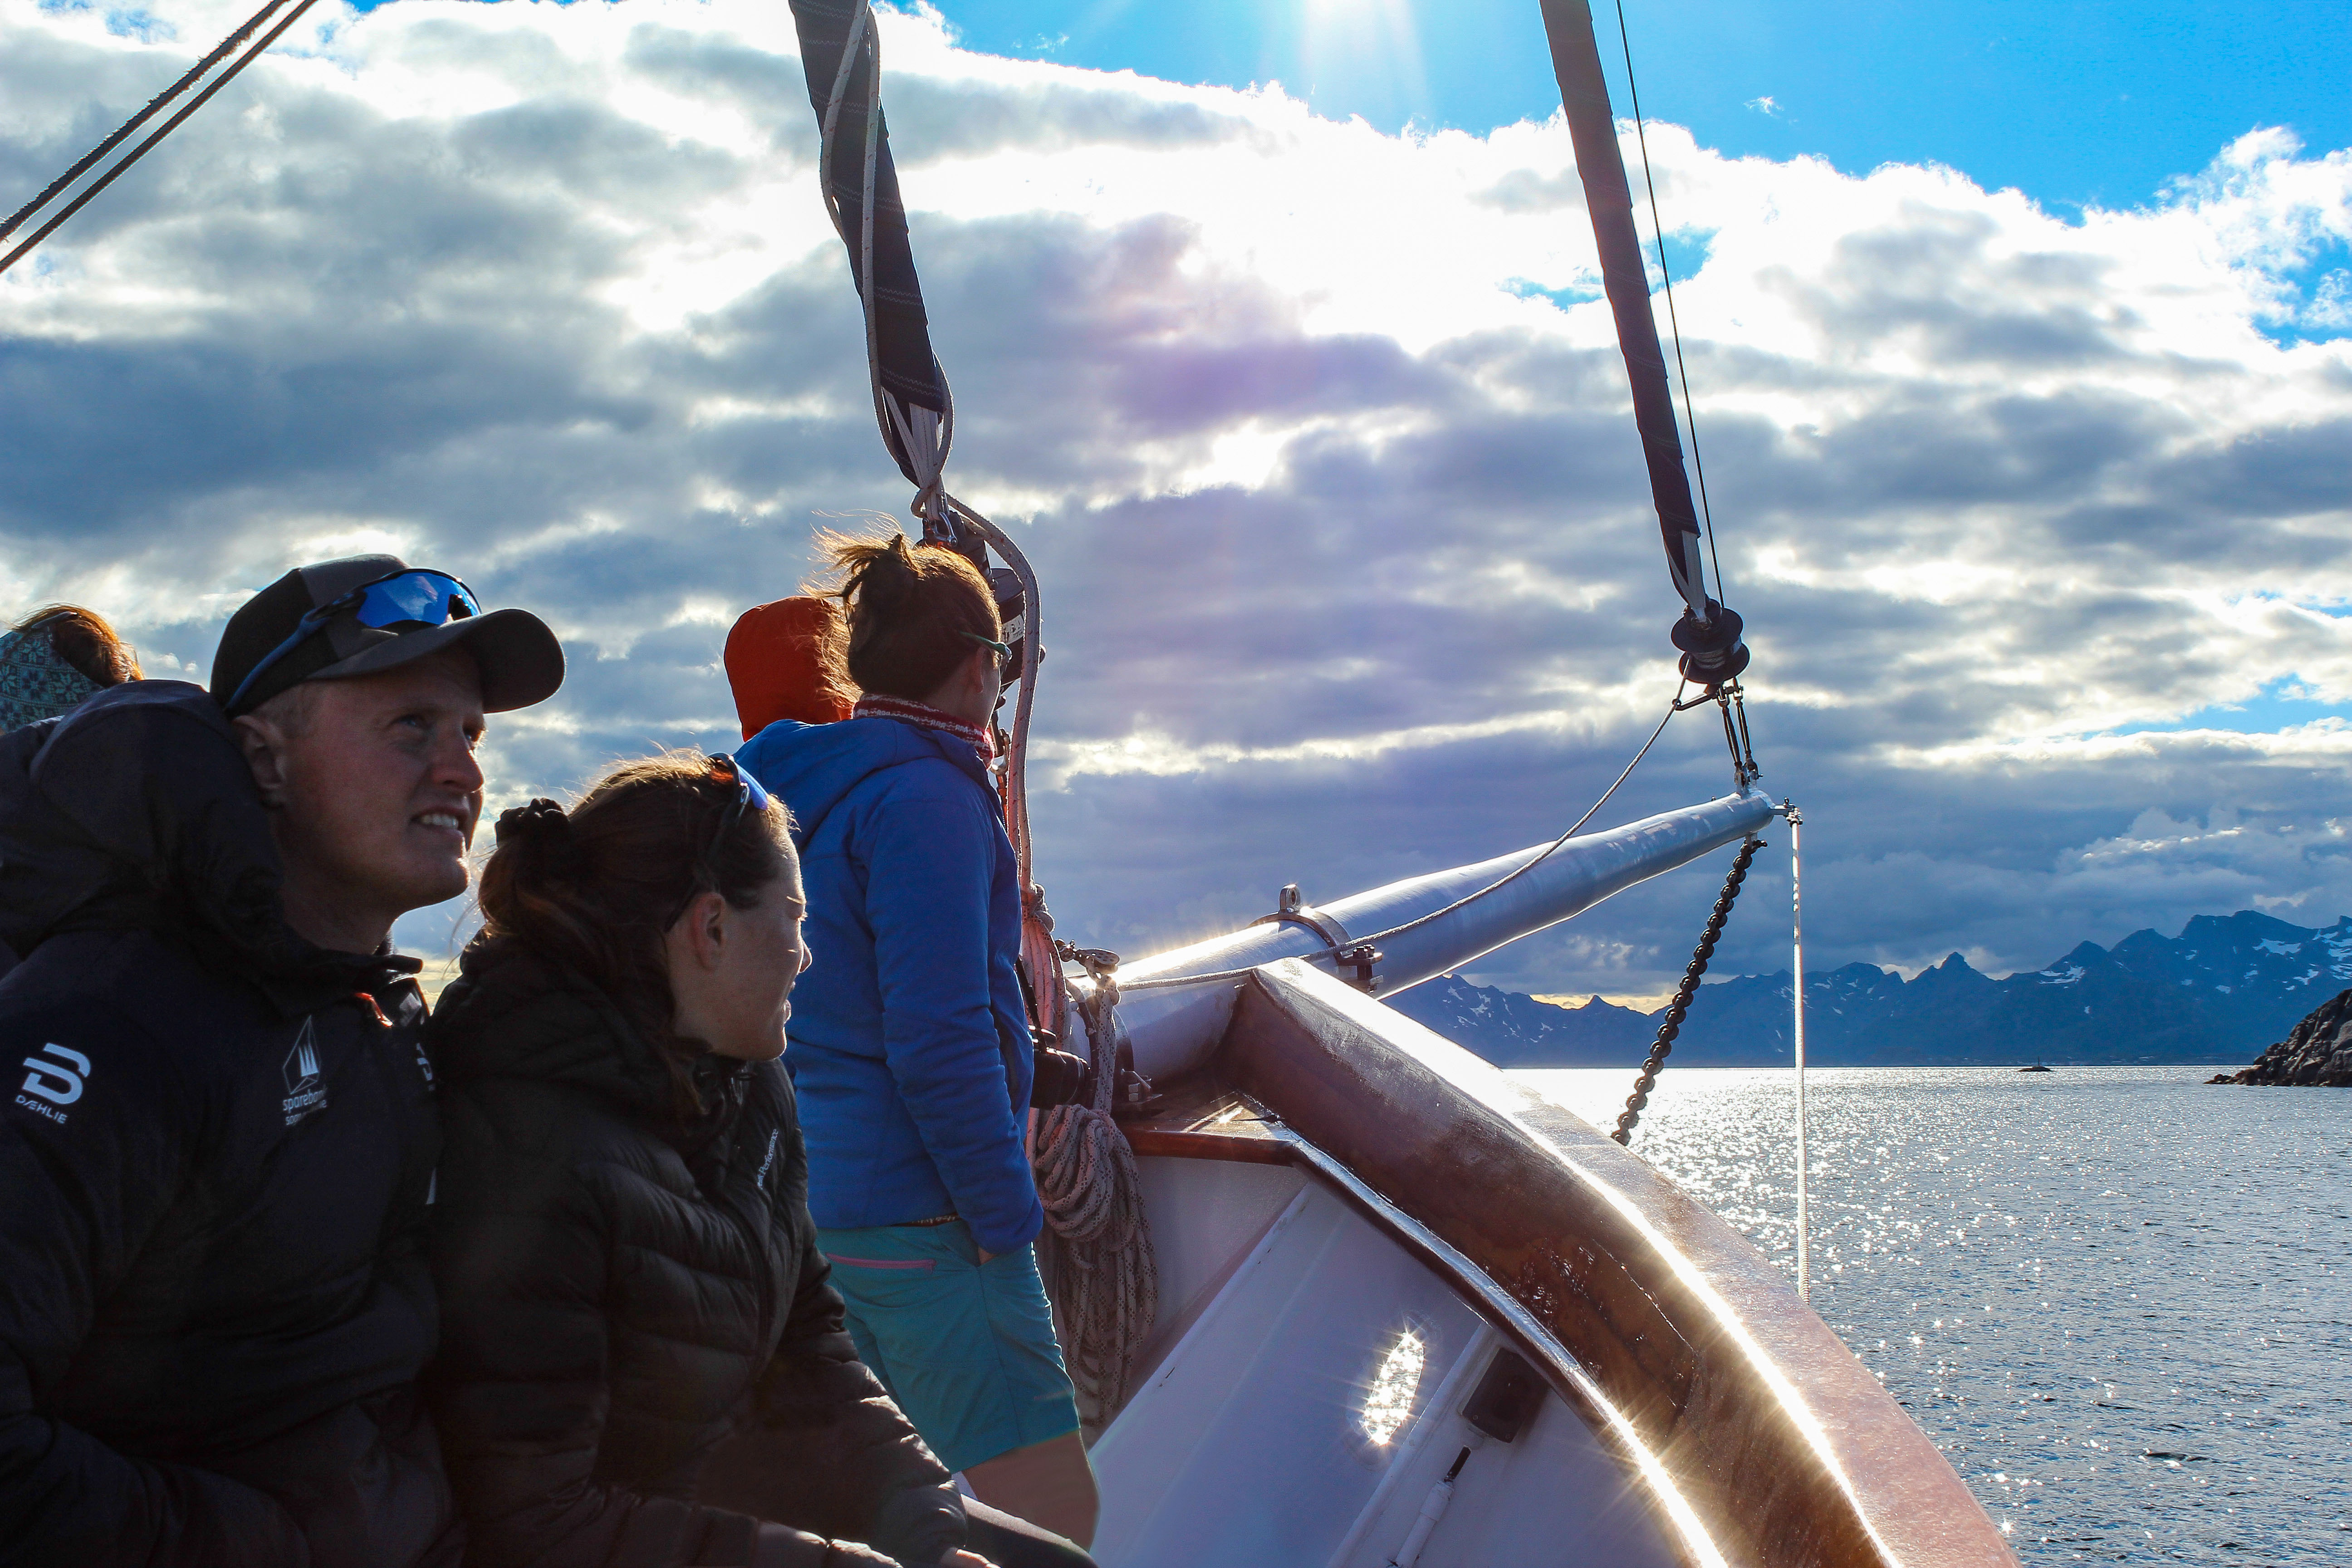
2318, 1052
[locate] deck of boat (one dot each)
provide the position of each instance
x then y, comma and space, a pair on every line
1354, 1219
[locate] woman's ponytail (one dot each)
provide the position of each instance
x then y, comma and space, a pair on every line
908, 610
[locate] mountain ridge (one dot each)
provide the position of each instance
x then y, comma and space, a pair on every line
2221, 991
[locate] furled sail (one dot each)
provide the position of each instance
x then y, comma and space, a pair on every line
842, 59
1708, 634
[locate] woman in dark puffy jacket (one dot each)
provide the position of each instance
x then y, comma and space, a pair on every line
642, 1362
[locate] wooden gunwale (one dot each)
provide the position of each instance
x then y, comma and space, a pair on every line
1640, 1305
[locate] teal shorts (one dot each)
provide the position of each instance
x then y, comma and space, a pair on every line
966, 1348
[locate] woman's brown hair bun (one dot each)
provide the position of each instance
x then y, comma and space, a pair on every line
912, 611
588, 889
540, 831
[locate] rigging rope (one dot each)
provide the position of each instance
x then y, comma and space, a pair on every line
1797, 923
1017, 756
841, 53
89, 160
1672, 1024
1674, 319
1096, 1247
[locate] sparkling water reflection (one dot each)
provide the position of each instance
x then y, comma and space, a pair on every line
2114, 1296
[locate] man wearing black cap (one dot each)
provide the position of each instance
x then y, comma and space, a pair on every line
213, 1300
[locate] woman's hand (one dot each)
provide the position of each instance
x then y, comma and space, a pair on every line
961, 1559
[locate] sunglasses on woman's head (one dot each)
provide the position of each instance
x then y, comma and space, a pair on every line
749, 795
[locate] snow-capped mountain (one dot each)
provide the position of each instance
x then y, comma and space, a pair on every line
2226, 987
1513, 1031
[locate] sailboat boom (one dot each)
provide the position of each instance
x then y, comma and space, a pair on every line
1174, 1027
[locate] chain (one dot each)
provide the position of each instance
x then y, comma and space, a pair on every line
1673, 1025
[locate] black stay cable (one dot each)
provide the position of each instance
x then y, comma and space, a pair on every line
1672, 1025
1674, 318
154, 105
194, 72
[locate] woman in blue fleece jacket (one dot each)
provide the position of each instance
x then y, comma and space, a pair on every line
910, 1047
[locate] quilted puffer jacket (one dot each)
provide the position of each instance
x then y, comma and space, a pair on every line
627, 1291
217, 1149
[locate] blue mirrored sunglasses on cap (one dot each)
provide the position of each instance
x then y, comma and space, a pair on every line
419, 597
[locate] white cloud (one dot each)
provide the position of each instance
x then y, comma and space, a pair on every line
1350, 569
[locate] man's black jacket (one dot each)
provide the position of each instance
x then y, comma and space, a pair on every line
215, 1158
628, 1290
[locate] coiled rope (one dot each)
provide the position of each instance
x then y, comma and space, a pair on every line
1099, 1265
1672, 1025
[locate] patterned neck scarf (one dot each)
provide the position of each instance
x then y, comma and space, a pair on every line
929, 718
35, 680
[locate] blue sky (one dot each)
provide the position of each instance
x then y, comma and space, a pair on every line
2085, 101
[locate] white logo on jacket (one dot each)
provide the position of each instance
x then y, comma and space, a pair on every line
304, 1092
58, 1082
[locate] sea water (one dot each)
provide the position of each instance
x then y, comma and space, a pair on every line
2119, 1300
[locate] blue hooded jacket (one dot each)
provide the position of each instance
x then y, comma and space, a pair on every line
909, 1036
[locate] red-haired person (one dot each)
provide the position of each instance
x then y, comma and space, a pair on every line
54, 659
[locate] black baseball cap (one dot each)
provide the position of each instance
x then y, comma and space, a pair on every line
519, 660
